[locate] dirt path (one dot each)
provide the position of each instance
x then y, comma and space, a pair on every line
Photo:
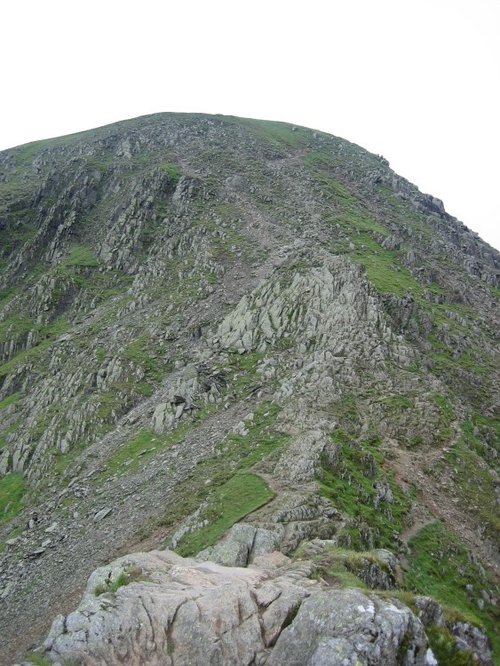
437, 497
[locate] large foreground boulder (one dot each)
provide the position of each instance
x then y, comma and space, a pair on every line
161, 609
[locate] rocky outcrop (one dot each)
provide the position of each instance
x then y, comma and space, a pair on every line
242, 544
349, 628
159, 608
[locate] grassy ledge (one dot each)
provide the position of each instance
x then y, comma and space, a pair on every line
228, 504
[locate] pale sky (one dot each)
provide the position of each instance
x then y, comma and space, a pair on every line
414, 80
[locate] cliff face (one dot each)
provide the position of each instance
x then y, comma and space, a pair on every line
207, 319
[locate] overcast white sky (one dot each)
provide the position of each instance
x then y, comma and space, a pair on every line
414, 80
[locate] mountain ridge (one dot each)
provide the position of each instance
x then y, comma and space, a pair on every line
194, 302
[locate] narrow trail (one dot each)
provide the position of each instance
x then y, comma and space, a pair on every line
437, 498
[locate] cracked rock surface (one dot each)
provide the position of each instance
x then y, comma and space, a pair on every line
172, 610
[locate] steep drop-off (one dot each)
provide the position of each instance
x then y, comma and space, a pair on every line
206, 320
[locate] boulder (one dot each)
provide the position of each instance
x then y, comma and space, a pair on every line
159, 608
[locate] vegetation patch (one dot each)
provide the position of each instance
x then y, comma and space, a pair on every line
12, 489
482, 435
236, 453
476, 485
386, 273
440, 566
113, 403
173, 171
147, 443
227, 504
358, 486
141, 352
143, 443
10, 400
38, 660
276, 132
444, 647
83, 256
46, 336
243, 368
446, 416
262, 438
16, 326
340, 567
7, 295
451, 365
125, 578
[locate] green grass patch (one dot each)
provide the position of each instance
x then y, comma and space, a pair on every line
482, 434
78, 273
228, 504
262, 438
83, 256
444, 647
173, 171
475, 361
143, 442
12, 489
344, 568
39, 660
147, 443
10, 400
7, 295
440, 566
338, 574
243, 369
396, 403
235, 454
335, 572
446, 416
63, 461
125, 578
476, 486
46, 336
352, 485
345, 411
23, 357
445, 407
16, 326
112, 403
276, 132
142, 353
333, 188
386, 273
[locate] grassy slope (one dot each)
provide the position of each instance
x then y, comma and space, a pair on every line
228, 504
441, 567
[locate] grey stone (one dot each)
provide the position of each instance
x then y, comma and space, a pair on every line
205, 613
242, 544
471, 638
103, 513
346, 627
429, 611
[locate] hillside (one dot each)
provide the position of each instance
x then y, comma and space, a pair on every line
206, 320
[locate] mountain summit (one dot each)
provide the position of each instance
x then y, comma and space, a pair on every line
258, 351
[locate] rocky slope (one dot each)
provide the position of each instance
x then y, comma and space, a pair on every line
159, 608
205, 319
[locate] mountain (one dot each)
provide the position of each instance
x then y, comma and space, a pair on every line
233, 337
